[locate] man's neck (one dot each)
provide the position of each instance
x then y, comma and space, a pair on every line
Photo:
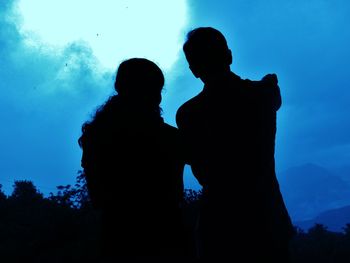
217, 77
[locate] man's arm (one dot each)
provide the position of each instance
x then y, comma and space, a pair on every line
184, 140
188, 142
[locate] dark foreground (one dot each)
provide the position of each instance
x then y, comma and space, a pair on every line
64, 228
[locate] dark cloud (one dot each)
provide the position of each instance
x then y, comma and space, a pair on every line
45, 96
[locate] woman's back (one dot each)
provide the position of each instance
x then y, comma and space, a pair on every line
140, 180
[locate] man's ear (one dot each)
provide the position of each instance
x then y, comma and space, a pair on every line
229, 57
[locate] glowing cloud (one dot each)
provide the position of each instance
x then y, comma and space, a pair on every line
115, 30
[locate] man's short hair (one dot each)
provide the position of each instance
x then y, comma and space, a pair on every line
205, 45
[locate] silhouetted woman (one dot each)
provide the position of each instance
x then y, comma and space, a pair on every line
133, 169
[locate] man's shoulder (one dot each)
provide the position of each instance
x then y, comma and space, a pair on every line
193, 103
266, 90
268, 81
189, 108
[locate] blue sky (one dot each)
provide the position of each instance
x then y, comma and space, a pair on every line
58, 63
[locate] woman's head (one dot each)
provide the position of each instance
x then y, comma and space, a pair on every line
140, 79
139, 83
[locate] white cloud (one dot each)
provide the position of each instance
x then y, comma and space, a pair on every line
114, 30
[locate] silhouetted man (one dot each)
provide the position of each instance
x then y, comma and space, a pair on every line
228, 131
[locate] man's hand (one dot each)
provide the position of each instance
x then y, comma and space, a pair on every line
270, 79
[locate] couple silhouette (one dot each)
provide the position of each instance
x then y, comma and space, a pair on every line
133, 163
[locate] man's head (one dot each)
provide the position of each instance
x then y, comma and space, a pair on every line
207, 52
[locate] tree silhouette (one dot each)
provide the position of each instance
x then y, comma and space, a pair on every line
64, 228
346, 230
3, 196
76, 197
25, 192
34, 228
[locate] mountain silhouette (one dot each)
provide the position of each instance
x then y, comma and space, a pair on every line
335, 219
311, 189
343, 172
